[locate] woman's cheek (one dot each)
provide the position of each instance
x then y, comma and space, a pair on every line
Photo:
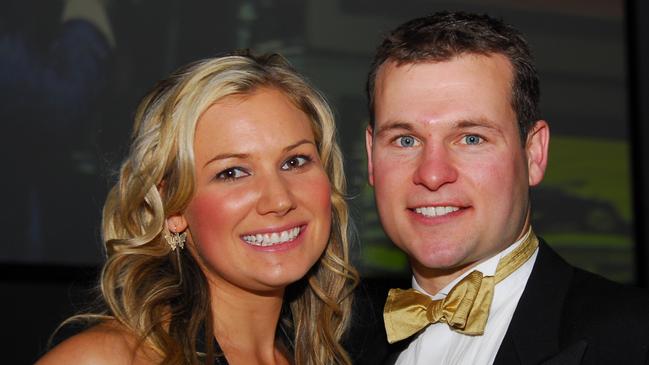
319, 199
212, 216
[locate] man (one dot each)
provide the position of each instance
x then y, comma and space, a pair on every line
454, 145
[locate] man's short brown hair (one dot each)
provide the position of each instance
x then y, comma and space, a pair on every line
444, 35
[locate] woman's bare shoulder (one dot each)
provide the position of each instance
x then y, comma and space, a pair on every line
104, 344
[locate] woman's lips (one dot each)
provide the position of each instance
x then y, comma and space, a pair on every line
273, 238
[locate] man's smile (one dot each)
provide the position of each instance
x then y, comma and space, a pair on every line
436, 211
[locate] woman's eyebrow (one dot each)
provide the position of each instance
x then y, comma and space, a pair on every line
297, 144
224, 156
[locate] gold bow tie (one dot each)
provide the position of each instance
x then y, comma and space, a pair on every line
466, 307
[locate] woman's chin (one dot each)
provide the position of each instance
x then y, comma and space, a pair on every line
282, 281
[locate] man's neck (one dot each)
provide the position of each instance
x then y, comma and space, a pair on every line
432, 280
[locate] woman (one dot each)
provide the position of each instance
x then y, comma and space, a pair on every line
228, 222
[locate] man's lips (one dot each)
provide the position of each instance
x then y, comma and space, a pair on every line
436, 210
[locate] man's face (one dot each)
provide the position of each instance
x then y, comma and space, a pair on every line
450, 173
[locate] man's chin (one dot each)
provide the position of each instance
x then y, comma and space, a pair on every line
439, 264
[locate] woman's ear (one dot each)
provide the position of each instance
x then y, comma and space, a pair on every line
176, 223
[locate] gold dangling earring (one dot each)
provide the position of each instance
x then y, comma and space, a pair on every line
175, 239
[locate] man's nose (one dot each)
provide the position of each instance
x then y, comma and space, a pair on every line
276, 197
435, 168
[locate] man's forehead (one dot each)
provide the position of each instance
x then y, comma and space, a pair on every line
391, 65
492, 74
468, 89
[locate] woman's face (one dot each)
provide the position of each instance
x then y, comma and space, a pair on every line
261, 213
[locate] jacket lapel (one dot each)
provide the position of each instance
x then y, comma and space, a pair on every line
533, 334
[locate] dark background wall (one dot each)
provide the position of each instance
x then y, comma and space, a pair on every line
70, 88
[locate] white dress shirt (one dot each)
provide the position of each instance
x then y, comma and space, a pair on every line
438, 344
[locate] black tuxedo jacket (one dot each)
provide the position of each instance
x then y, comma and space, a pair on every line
565, 316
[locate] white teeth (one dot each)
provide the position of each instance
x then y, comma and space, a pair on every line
267, 239
436, 211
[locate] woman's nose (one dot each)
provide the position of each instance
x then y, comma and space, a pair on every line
276, 197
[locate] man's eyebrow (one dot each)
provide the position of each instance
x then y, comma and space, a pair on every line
481, 123
460, 124
394, 125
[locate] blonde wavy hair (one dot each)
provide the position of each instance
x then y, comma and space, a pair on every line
161, 295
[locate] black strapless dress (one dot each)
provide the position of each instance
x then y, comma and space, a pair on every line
219, 356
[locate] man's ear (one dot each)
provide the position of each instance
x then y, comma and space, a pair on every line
536, 148
368, 148
176, 223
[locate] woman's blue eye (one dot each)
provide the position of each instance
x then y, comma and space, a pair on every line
472, 139
295, 162
406, 141
232, 173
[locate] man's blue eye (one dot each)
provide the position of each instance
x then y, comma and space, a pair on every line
406, 141
472, 139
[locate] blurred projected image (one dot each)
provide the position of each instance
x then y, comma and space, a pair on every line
53, 71
584, 204
72, 73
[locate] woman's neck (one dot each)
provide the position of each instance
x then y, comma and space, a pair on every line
245, 323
